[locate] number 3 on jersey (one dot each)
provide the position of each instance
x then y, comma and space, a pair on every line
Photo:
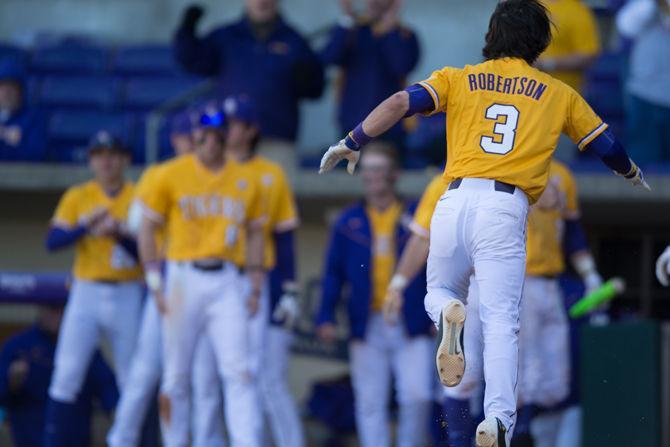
505, 131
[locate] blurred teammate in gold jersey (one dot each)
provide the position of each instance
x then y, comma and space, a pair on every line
206, 204
146, 368
270, 336
575, 42
106, 296
504, 119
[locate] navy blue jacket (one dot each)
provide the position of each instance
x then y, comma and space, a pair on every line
30, 127
276, 72
375, 67
349, 262
26, 407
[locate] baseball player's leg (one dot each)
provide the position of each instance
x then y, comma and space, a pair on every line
570, 429
498, 237
122, 326
228, 330
258, 325
555, 344
278, 402
208, 428
544, 428
413, 384
448, 273
449, 266
530, 349
78, 339
182, 325
142, 383
458, 399
371, 379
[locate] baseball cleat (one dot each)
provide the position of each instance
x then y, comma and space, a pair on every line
449, 357
490, 433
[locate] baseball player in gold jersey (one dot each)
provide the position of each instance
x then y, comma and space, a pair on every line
270, 337
106, 296
205, 203
504, 118
145, 371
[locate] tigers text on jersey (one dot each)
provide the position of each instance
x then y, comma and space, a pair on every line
278, 204
504, 119
203, 211
424, 211
544, 244
97, 258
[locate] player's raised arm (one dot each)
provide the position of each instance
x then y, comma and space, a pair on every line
412, 100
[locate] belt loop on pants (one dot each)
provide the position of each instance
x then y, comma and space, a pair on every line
455, 184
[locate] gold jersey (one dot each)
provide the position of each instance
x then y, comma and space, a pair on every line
424, 211
204, 212
97, 258
504, 119
544, 246
278, 202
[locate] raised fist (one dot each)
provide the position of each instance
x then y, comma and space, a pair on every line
192, 16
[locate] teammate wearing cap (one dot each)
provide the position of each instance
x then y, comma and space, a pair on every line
106, 295
503, 123
278, 308
206, 204
145, 371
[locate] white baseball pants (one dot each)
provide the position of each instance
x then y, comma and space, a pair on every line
142, 383
544, 350
208, 417
270, 348
211, 304
388, 351
95, 310
478, 229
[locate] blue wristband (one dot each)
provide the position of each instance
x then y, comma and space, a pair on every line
357, 138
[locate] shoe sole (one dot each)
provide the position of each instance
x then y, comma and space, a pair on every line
485, 439
490, 434
449, 357
486, 436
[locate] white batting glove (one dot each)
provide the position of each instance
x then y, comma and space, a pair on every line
663, 268
287, 310
636, 177
336, 154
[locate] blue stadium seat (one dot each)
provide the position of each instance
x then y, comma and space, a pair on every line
70, 131
147, 93
78, 91
70, 59
145, 60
